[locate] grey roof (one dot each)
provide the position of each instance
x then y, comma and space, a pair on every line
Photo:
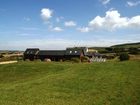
74, 51
52, 52
31, 51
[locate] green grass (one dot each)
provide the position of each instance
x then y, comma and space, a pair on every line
40, 83
128, 45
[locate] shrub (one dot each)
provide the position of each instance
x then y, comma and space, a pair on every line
76, 60
109, 56
118, 50
124, 56
133, 50
1, 55
66, 60
19, 58
8, 59
84, 59
38, 60
28, 60
109, 49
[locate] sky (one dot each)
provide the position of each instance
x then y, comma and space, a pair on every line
57, 24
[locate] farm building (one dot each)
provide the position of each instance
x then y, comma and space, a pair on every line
76, 52
31, 53
56, 55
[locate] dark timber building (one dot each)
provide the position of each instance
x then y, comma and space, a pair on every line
31, 53
56, 55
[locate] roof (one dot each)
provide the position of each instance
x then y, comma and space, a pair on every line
52, 52
75, 51
31, 51
69, 51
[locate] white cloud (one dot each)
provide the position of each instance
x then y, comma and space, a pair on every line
134, 21
83, 29
57, 29
131, 4
46, 14
104, 2
70, 23
113, 20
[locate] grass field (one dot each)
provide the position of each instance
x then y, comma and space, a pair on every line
40, 83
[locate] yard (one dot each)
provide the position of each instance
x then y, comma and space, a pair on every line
41, 83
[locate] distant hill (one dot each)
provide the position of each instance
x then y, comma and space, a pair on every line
128, 45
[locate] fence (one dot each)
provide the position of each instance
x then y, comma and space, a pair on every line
97, 59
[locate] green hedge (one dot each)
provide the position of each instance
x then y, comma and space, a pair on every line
76, 60
124, 57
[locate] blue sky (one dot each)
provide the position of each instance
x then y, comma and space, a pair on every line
57, 24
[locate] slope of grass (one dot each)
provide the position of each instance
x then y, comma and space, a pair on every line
128, 45
38, 83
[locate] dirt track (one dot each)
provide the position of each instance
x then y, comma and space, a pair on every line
8, 62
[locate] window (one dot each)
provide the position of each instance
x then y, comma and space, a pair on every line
27, 52
70, 52
75, 51
31, 52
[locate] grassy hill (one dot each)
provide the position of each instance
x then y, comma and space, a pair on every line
128, 45
40, 83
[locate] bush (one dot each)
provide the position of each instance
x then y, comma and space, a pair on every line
76, 60
133, 50
1, 55
19, 58
124, 56
38, 60
8, 59
110, 56
28, 60
118, 50
84, 59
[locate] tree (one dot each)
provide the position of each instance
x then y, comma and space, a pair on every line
133, 50
124, 57
109, 49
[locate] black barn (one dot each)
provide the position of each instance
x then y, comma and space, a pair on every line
31, 53
74, 53
54, 55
